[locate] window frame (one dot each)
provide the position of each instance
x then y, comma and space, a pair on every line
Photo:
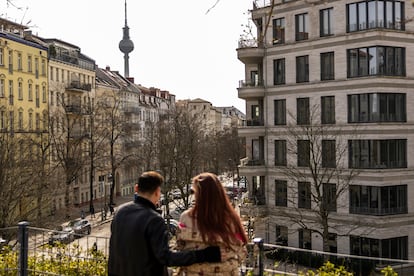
326, 27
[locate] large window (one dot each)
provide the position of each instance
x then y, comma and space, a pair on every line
328, 110
280, 112
281, 193
279, 71
377, 107
303, 153
327, 66
376, 60
373, 200
304, 195
374, 154
326, 22
305, 238
301, 23
302, 111
329, 196
281, 235
280, 153
278, 31
302, 69
375, 14
329, 153
393, 248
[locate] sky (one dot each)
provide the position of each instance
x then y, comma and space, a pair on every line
187, 47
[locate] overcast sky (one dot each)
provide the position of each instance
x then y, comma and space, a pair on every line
181, 46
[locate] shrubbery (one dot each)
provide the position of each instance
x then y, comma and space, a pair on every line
60, 260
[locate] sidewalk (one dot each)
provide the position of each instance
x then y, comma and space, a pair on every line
60, 217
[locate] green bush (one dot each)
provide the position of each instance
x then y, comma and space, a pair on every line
61, 260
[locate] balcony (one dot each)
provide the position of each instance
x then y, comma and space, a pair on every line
246, 162
254, 122
78, 86
73, 108
249, 89
248, 51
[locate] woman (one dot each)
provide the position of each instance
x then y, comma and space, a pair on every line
212, 221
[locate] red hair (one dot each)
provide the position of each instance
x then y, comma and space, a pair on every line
215, 215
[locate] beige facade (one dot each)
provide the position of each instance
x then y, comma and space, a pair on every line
354, 76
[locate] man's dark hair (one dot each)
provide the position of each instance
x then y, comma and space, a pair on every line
148, 182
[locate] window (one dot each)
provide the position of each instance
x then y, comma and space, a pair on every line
303, 153
332, 242
2, 120
301, 23
29, 63
280, 153
326, 22
256, 117
327, 66
305, 238
302, 111
37, 121
377, 107
10, 61
37, 67
328, 110
304, 195
11, 118
328, 154
302, 69
30, 120
20, 120
2, 88
373, 200
281, 235
375, 154
30, 92
279, 71
280, 112
329, 196
19, 61
37, 95
375, 14
20, 90
44, 94
281, 193
11, 94
43, 67
376, 60
392, 248
1, 56
279, 31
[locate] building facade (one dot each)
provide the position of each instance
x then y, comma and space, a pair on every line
329, 98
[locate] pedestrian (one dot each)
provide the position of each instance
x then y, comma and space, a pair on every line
92, 212
138, 244
212, 220
111, 209
135, 191
82, 214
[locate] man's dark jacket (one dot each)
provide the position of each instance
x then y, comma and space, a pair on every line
139, 243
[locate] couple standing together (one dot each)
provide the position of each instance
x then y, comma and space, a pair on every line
210, 241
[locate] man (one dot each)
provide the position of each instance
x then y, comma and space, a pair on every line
139, 237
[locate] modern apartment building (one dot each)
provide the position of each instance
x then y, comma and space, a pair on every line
329, 98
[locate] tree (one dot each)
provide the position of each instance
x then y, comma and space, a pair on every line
318, 174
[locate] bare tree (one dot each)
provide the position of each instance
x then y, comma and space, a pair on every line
318, 174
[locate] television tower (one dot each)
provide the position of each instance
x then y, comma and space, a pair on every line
126, 45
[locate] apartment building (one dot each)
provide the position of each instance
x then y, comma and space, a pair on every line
23, 118
329, 98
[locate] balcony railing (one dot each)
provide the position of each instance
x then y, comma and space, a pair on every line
258, 4
80, 86
73, 108
248, 43
254, 122
250, 83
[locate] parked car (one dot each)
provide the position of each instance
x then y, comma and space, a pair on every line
172, 227
65, 235
80, 227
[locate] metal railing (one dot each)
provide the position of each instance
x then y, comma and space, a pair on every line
28, 248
